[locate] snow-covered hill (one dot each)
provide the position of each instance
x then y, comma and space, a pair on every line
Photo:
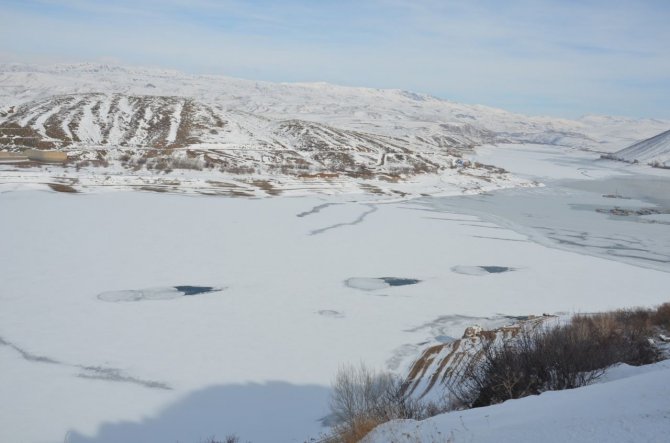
385, 112
136, 122
654, 150
222, 136
440, 367
630, 405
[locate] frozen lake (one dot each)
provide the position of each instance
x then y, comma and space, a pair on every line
578, 214
306, 285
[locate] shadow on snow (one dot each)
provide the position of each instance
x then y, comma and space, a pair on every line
270, 412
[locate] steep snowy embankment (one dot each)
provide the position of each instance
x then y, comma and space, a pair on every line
633, 406
654, 150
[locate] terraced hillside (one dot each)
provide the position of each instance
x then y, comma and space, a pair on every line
123, 126
167, 131
440, 367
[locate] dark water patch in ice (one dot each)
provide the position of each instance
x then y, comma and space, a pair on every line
159, 293
194, 290
395, 281
372, 284
496, 269
481, 270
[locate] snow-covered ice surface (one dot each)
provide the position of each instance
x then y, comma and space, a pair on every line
155, 293
574, 210
630, 406
257, 358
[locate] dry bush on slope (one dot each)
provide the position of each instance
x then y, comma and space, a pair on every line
563, 357
362, 399
661, 317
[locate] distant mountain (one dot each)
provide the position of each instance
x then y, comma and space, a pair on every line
150, 127
654, 151
135, 120
390, 112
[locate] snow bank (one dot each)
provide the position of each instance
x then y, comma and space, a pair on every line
634, 408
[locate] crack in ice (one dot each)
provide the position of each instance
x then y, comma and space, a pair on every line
91, 372
358, 220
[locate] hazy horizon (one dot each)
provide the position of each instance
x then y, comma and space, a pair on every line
549, 57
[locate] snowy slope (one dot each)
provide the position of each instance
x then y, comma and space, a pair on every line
79, 121
654, 150
440, 367
135, 127
169, 131
633, 407
384, 112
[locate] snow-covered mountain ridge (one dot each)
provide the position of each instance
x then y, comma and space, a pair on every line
386, 112
138, 121
654, 151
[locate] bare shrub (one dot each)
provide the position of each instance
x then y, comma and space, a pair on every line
662, 316
362, 399
187, 163
162, 164
563, 357
231, 438
82, 164
237, 170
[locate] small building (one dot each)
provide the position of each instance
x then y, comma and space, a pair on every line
34, 155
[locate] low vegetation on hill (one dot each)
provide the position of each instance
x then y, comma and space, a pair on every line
537, 359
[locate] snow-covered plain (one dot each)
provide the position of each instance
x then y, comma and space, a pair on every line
104, 336
257, 357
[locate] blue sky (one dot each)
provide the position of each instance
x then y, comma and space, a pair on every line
554, 57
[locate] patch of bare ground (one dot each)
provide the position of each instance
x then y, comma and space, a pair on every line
187, 123
160, 189
320, 175
400, 193
266, 186
27, 164
221, 184
390, 178
372, 189
59, 187
445, 362
54, 130
14, 135
236, 193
